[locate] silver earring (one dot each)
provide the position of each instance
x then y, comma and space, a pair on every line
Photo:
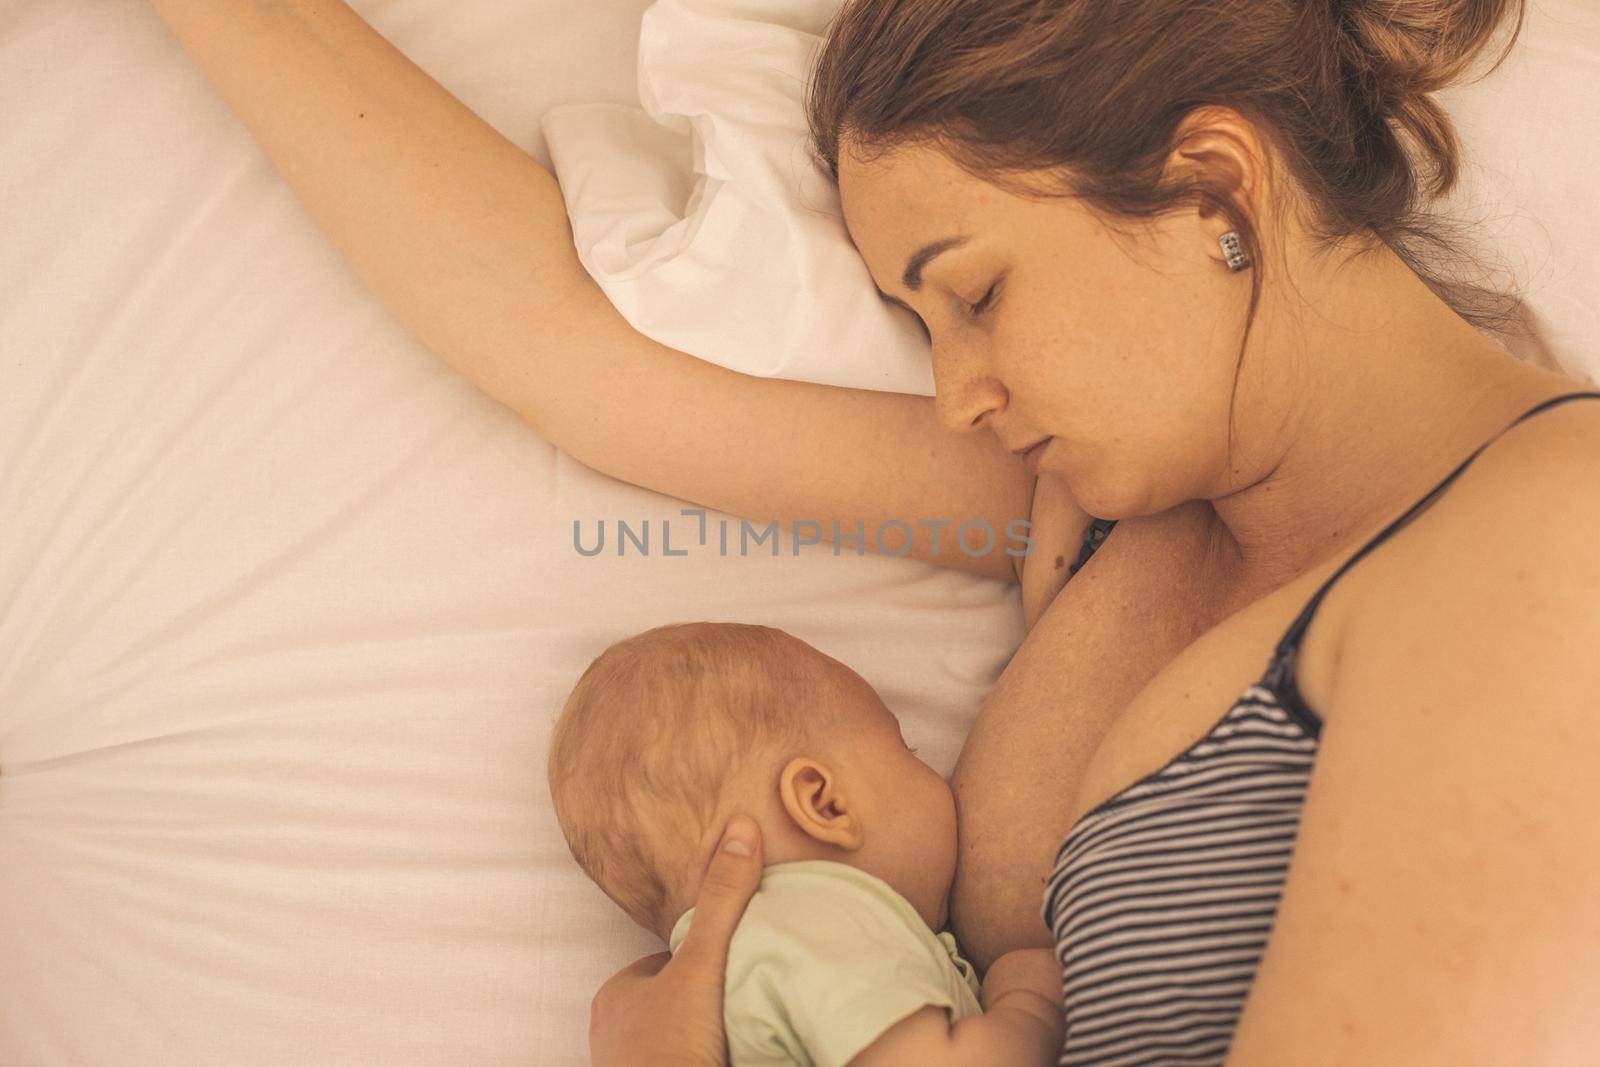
1233, 249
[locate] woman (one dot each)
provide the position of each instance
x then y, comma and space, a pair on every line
1223, 338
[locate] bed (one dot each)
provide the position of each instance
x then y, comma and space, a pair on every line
287, 606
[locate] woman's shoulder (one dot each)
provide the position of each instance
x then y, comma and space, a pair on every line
1549, 459
1515, 519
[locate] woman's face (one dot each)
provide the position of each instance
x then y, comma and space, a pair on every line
1121, 348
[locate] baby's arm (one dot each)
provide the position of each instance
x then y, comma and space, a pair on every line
1021, 1023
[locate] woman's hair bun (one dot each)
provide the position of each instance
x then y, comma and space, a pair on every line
1097, 96
1400, 52
1410, 48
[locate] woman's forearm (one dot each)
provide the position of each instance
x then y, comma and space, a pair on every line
460, 233
464, 237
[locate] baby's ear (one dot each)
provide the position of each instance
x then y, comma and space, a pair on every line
816, 802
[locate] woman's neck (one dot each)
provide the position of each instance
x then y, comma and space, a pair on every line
1370, 399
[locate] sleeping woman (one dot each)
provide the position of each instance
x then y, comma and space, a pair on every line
1298, 767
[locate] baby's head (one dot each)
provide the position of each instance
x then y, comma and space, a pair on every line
672, 731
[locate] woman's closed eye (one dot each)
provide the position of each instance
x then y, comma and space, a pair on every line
983, 305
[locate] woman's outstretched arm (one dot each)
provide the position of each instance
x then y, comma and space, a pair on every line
464, 237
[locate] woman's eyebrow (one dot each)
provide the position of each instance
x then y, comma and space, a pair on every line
912, 276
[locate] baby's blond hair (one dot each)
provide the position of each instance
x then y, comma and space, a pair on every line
647, 741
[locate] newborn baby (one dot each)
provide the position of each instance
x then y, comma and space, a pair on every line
671, 732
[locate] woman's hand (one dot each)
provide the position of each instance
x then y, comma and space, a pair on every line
666, 1009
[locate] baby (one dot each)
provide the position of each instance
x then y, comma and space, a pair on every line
672, 731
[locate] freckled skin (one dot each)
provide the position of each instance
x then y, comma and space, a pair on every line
1226, 472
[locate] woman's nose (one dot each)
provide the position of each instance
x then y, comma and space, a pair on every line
964, 392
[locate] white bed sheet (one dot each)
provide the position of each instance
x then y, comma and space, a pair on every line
287, 606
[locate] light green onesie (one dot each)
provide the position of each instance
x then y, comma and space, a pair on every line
825, 960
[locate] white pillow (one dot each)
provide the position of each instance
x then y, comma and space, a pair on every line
704, 218
705, 221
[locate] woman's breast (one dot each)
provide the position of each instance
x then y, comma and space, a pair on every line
1162, 900
1133, 659
1203, 681
1105, 634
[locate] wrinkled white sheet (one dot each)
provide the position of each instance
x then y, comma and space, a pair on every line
286, 606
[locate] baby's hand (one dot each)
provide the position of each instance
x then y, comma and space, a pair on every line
1020, 1026
1032, 970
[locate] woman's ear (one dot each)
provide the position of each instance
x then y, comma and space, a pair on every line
817, 805
1220, 149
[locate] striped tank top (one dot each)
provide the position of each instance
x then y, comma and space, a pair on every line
1163, 896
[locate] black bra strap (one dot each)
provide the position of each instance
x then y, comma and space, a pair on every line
1291, 639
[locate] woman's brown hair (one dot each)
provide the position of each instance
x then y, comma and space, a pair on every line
1094, 92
